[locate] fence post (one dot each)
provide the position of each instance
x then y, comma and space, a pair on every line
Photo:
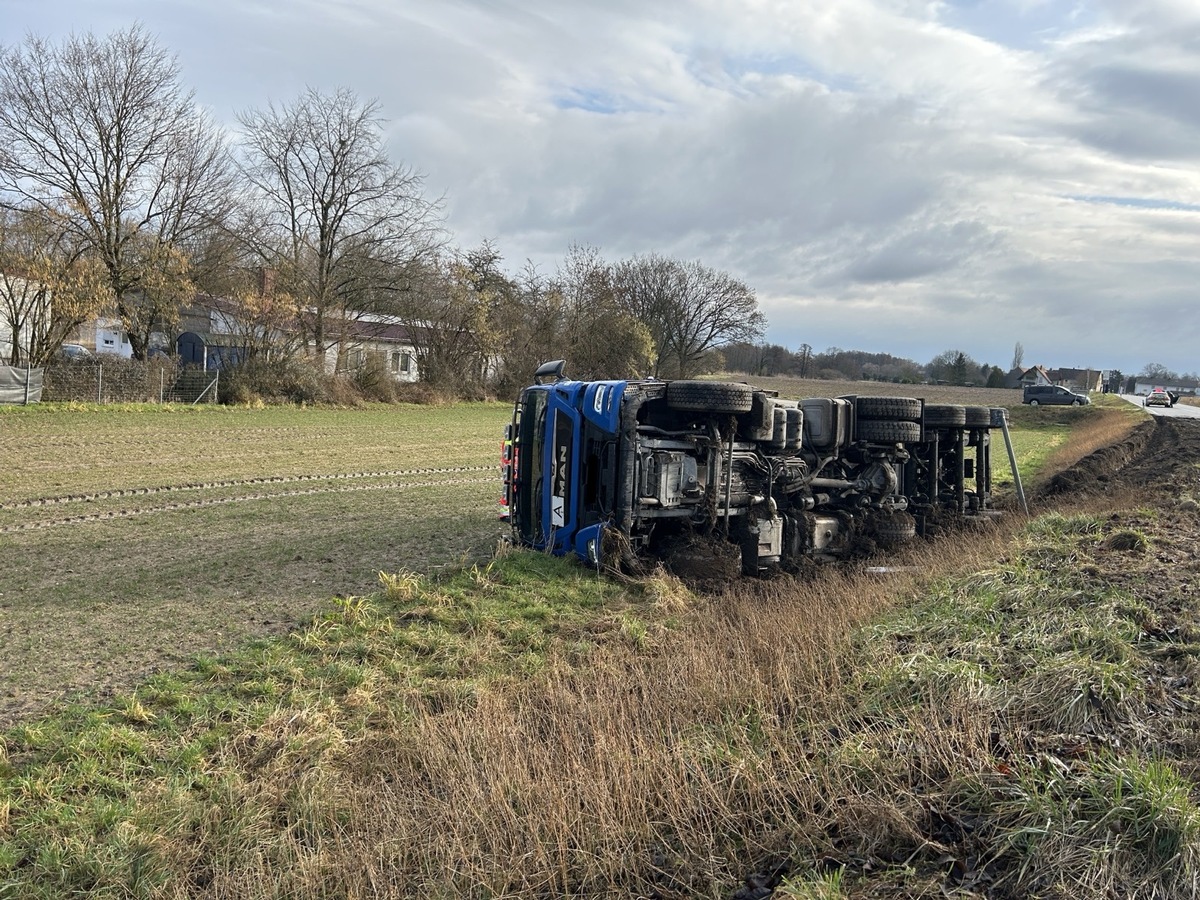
26, 403
100, 383
161, 381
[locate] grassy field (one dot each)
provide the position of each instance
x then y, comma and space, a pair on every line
132, 538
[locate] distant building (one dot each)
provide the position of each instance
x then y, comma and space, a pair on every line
1082, 381
214, 336
1186, 387
214, 333
1034, 375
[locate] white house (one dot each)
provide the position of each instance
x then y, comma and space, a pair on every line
212, 336
378, 338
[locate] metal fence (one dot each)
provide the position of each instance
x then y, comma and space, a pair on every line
128, 381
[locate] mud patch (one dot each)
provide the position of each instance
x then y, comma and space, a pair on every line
701, 561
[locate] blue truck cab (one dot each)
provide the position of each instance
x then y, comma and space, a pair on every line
561, 464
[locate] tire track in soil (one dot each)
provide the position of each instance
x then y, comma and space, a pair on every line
215, 485
220, 501
1156, 456
221, 436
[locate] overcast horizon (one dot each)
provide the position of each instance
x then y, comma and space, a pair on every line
888, 176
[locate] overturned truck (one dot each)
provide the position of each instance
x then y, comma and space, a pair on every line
615, 471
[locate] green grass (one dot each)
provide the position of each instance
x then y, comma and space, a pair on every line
1077, 793
1047, 437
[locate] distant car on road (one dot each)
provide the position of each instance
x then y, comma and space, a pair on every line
1158, 397
1052, 395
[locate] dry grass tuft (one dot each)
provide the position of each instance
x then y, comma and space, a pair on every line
1126, 541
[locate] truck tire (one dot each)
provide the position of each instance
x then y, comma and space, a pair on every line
1034, 402
887, 432
890, 409
895, 529
945, 415
710, 396
979, 417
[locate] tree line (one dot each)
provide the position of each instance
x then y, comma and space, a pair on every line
949, 367
119, 195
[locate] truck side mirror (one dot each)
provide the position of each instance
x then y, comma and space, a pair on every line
550, 370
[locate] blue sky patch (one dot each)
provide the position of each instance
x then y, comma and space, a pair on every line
1135, 202
1021, 26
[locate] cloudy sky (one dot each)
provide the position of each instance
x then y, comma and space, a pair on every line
888, 175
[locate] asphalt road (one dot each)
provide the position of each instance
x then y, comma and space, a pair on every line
1178, 411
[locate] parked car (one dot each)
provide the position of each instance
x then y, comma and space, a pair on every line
74, 352
1052, 395
1157, 397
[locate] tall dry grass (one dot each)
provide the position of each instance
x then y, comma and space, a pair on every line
674, 765
1105, 427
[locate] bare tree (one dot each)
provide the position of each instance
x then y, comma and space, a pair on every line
953, 367
688, 308
447, 315
100, 132
343, 226
1157, 372
1018, 356
530, 320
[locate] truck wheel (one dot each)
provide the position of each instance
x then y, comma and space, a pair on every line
895, 529
979, 417
1034, 403
710, 396
892, 409
883, 432
945, 415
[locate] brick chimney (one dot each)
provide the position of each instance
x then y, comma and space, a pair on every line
266, 281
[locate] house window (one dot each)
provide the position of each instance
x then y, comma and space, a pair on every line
356, 359
401, 362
